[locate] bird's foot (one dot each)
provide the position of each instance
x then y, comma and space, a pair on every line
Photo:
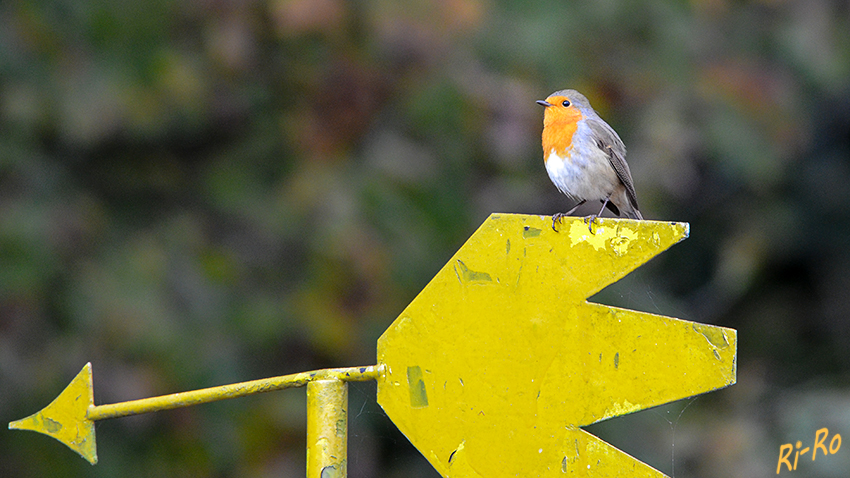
557, 218
590, 220
558, 215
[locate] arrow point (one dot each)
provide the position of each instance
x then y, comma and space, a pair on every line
65, 418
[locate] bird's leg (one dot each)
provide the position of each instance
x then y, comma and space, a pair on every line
589, 219
558, 215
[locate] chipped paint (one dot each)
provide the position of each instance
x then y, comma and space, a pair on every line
332, 471
623, 238
465, 274
579, 234
622, 408
716, 337
416, 385
528, 231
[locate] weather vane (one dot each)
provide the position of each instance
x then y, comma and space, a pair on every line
492, 370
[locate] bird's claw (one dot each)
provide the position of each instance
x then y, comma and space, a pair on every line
556, 218
589, 220
558, 215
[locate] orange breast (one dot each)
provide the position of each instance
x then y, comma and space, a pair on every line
558, 136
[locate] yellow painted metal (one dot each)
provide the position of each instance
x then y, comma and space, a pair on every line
327, 429
223, 392
497, 363
494, 367
70, 417
64, 419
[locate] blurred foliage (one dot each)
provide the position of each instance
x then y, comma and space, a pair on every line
200, 192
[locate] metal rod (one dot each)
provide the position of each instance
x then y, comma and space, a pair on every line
327, 429
194, 397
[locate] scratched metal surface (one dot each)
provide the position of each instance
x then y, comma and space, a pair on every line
494, 367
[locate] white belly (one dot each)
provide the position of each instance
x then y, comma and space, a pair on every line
585, 176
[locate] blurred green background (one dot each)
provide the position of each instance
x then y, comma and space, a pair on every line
200, 192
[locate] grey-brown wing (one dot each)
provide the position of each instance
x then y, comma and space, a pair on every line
610, 142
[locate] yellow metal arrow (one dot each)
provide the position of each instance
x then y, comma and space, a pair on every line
70, 417
495, 365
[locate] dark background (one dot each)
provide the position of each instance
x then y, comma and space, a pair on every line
201, 192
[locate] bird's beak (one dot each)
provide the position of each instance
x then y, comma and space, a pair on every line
544, 103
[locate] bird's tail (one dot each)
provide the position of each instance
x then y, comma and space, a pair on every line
632, 213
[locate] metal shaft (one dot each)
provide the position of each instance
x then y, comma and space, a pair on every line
327, 429
206, 395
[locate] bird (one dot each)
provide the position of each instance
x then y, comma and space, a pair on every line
585, 157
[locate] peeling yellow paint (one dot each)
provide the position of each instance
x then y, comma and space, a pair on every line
580, 233
622, 240
623, 408
715, 336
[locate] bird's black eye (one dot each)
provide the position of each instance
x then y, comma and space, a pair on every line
566, 103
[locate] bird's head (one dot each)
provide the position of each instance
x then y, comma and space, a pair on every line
564, 106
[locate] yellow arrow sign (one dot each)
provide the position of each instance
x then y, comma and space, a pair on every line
493, 368
495, 365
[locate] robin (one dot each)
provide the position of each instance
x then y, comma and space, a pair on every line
584, 157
